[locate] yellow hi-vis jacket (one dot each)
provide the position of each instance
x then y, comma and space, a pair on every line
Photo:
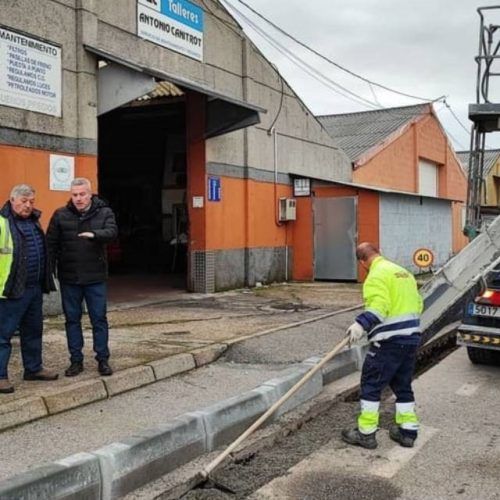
6, 253
392, 304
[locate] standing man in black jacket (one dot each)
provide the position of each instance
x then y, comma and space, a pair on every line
24, 276
77, 238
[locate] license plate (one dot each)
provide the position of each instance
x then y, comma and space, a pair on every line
482, 310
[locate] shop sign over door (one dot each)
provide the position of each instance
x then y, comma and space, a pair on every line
30, 73
174, 24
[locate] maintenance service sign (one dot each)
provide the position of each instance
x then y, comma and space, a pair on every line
174, 24
30, 73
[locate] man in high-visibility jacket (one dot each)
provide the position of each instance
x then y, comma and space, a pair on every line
391, 321
24, 276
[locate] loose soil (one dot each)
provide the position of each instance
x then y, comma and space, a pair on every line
255, 471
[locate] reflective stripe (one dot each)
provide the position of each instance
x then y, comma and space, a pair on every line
368, 417
403, 333
404, 325
369, 405
406, 417
405, 407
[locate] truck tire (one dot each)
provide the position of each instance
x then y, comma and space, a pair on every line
482, 356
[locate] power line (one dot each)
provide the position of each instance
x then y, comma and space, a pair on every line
325, 80
316, 74
337, 65
313, 72
455, 116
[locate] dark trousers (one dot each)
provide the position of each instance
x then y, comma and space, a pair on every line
24, 313
389, 365
95, 298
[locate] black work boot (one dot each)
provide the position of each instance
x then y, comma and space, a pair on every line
404, 440
104, 369
353, 436
43, 375
5, 386
74, 369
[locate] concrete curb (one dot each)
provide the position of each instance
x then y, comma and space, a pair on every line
128, 379
173, 365
126, 465
75, 477
75, 395
27, 409
24, 410
137, 460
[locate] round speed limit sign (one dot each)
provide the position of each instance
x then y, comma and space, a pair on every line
423, 257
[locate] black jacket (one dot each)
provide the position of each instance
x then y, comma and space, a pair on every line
81, 261
16, 282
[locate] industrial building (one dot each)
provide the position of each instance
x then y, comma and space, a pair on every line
409, 186
216, 170
195, 176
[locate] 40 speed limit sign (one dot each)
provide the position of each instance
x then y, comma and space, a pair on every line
423, 257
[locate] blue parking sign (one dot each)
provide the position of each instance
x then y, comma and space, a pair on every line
214, 189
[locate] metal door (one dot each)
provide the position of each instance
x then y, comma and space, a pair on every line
335, 238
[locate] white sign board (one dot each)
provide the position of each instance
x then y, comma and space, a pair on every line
30, 73
174, 24
198, 201
62, 172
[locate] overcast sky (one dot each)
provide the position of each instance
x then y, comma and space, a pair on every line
419, 47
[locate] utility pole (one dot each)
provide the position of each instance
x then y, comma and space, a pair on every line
485, 116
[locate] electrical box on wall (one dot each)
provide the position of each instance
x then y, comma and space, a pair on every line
287, 209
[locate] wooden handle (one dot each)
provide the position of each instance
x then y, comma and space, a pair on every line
217, 460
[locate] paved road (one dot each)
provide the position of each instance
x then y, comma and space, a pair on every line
88, 428
458, 453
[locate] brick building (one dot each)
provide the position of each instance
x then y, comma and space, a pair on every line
408, 186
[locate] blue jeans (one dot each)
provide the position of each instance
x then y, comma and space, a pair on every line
390, 365
95, 298
24, 313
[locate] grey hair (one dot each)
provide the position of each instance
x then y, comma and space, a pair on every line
81, 181
21, 190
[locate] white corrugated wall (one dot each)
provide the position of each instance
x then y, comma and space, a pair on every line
410, 222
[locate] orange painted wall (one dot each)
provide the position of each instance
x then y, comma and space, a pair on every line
31, 166
196, 169
393, 167
396, 166
246, 216
432, 143
303, 241
456, 184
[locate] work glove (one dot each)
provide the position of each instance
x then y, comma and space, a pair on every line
355, 333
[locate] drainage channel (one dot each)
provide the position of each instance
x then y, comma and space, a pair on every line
253, 467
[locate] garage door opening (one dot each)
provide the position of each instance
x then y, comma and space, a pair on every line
142, 174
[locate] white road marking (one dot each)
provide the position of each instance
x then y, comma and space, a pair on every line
467, 389
397, 457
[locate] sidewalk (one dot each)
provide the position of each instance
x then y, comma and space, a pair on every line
152, 341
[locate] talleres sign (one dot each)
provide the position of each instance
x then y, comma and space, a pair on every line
175, 24
30, 73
